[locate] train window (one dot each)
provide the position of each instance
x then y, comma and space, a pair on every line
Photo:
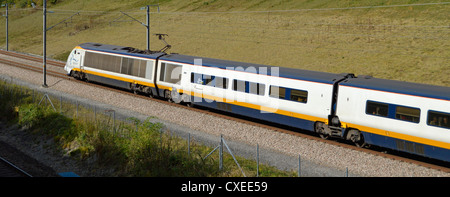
163, 70
221, 82
277, 92
377, 109
239, 85
257, 88
438, 119
407, 114
299, 96
170, 73
208, 80
196, 78
149, 70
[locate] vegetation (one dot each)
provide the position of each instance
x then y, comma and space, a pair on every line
132, 149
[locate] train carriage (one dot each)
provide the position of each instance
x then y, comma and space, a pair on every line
293, 97
398, 115
113, 65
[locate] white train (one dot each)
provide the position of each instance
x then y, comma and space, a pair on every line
398, 115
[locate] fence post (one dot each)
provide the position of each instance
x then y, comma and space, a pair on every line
235, 160
221, 153
299, 166
45, 100
189, 143
114, 121
257, 160
60, 104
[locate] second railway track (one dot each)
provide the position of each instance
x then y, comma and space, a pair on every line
8, 169
57, 71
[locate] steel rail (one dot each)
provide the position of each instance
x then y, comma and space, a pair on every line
13, 168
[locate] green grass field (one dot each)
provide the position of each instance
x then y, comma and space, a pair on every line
407, 43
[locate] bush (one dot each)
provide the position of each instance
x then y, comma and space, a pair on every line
44, 120
133, 149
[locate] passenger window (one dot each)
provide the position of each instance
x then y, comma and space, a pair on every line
377, 109
438, 119
221, 82
277, 92
196, 78
208, 80
170, 73
239, 85
257, 88
407, 114
299, 96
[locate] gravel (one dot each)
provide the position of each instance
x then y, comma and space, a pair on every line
282, 150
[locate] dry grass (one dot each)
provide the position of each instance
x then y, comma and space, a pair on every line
401, 43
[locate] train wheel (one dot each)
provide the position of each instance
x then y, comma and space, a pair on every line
356, 137
318, 128
147, 91
78, 75
168, 96
150, 94
133, 88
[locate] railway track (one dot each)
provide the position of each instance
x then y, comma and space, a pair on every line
8, 169
59, 72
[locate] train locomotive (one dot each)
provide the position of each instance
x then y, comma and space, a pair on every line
398, 115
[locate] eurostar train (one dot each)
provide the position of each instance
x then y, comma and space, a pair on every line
398, 115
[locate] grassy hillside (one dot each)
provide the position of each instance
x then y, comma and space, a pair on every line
408, 43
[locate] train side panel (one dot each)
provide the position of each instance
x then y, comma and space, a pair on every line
395, 121
295, 103
112, 69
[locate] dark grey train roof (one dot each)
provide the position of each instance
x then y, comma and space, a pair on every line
416, 89
315, 76
120, 50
